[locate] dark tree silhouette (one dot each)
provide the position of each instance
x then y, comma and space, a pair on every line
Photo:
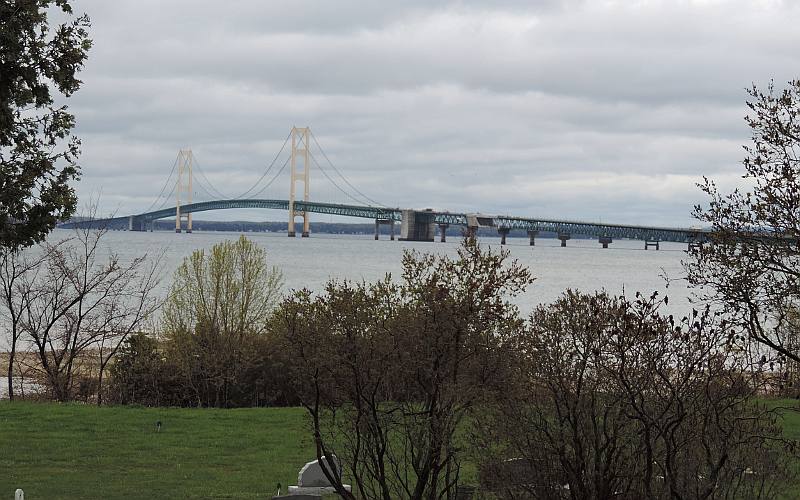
37, 154
611, 399
389, 372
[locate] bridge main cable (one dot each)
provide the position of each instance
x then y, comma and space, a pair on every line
283, 146
369, 200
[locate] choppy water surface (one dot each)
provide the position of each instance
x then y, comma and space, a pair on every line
310, 262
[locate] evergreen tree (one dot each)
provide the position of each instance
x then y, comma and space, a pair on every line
37, 153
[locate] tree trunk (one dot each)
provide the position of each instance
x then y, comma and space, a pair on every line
11, 356
60, 385
100, 384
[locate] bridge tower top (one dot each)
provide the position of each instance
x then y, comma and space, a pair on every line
183, 188
300, 172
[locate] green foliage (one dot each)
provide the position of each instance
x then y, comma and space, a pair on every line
137, 372
37, 156
217, 326
228, 291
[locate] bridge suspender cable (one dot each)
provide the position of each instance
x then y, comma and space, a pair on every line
211, 196
369, 200
212, 192
274, 178
216, 192
208, 187
168, 198
314, 159
174, 163
285, 141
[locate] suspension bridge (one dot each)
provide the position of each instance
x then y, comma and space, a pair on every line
187, 180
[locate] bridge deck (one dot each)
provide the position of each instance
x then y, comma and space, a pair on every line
596, 229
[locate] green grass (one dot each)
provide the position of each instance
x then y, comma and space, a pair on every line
57, 451
789, 409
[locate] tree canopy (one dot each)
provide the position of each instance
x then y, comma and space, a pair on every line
37, 154
229, 289
216, 320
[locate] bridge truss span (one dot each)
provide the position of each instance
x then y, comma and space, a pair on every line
601, 230
503, 224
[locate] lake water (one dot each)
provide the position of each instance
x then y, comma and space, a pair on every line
310, 262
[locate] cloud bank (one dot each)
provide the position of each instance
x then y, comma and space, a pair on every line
598, 110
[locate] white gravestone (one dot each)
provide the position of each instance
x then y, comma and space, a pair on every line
312, 480
19, 494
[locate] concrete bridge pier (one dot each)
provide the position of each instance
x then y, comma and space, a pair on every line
605, 240
136, 224
379, 223
291, 230
443, 232
532, 237
651, 243
503, 232
418, 225
564, 237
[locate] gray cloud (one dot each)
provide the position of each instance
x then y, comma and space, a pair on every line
596, 110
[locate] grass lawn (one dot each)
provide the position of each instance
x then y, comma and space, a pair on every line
790, 410
57, 451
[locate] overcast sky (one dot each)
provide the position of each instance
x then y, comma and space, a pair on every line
596, 110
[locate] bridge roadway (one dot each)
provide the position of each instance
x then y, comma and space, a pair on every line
503, 223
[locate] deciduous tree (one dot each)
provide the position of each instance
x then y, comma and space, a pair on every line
220, 300
751, 266
18, 272
81, 304
389, 372
611, 399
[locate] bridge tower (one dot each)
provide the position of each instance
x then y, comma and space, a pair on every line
300, 151
183, 188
